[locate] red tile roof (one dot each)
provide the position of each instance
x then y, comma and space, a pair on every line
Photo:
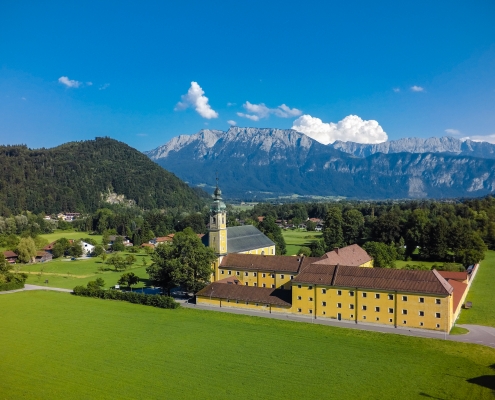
459, 289
352, 255
458, 276
247, 293
49, 246
163, 239
375, 278
258, 262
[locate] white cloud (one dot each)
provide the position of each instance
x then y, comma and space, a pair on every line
229, 104
260, 111
396, 89
417, 88
453, 131
481, 138
195, 98
64, 80
351, 129
231, 122
103, 87
89, 83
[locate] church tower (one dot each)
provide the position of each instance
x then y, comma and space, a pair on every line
217, 235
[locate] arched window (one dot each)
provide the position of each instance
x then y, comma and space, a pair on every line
213, 220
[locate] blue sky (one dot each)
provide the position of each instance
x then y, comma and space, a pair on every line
409, 68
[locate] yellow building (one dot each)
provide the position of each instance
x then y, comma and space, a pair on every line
245, 239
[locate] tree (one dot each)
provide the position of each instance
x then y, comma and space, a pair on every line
26, 250
117, 261
310, 226
416, 229
76, 250
148, 250
97, 284
194, 221
185, 262
4, 265
130, 259
304, 251
273, 231
129, 279
384, 255
317, 248
333, 234
98, 250
352, 225
118, 244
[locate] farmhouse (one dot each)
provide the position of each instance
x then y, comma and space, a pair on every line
342, 284
10, 256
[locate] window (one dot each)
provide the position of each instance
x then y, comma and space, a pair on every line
364, 316
263, 275
247, 302
438, 325
437, 315
352, 315
310, 311
421, 299
364, 294
404, 322
246, 273
421, 313
339, 292
421, 324
255, 284
324, 303
256, 304
364, 308
339, 305
299, 310
390, 320
310, 287
324, 291
404, 312
247, 283
351, 306
377, 309
377, 296
390, 310
437, 301
404, 298
378, 319
273, 251
237, 273
310, 298
228, 300
282, 276
324, 313
291, 277
273, 286
299, 286
390, 296
255, 274
299, 298
272, 275
237, 301
221, 272
351, 293
230, 272
264, 285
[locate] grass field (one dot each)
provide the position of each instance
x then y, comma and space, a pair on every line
482, 295
56, 346
69, 234
296, 239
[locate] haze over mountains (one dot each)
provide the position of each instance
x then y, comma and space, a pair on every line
264, 163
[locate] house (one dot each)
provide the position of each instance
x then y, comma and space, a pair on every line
87, 248
10, 256
318, 227
49, 248
42, 256
126, 241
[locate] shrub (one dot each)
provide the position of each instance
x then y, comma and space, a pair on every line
11, 286
154, 300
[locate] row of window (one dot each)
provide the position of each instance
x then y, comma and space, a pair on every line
377, 295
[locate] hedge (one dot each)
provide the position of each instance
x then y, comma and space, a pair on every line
11, 286
153, 300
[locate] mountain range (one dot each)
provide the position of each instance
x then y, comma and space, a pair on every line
266, 163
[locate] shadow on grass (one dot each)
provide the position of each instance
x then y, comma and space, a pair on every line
487, 381
430, 397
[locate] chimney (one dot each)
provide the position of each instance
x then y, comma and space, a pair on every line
336, 249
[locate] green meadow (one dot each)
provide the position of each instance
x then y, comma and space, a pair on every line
482, 295
295, 239
55, 345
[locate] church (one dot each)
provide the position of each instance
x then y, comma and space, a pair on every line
341, 285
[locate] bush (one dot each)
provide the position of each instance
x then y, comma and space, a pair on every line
153, 300
11, 286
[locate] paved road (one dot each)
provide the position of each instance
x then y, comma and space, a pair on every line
477, 334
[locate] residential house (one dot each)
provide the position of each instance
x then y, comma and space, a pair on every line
10, 256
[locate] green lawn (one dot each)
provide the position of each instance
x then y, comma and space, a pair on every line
56, 346
297, 238
64, 273
69, 234
482, 295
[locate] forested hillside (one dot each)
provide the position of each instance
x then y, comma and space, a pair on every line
73, 176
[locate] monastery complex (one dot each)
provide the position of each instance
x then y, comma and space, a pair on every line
342, 284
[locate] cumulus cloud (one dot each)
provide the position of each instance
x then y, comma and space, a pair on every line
196, 99
64, 80
351, 129
481, 138
453, 131
417, 88
231, 122
255, 112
